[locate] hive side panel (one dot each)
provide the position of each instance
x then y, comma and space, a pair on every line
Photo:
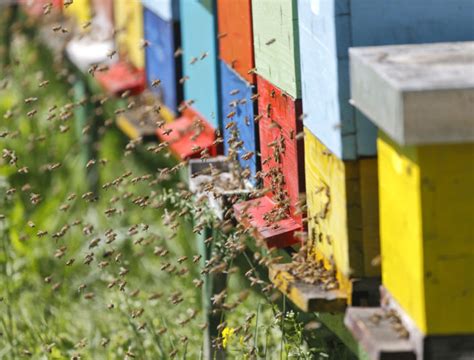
448, 205
236, 38
276, 43
401, 227
240, 103
198, 37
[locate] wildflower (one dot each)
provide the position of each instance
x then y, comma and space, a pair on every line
227, 333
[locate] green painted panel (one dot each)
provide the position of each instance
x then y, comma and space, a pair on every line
276, 43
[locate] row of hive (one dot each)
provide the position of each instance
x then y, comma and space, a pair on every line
273, 77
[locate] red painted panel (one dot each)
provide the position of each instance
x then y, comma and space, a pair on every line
279, 125
236, 39
121, 77
36, 7
189, 135
252, 214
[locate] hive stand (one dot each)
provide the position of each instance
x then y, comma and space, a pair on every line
421, 97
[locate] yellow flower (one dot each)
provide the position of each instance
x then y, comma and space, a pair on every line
227, 333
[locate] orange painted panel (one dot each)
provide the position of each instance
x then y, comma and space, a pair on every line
235, 36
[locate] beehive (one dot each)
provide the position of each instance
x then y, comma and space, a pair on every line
128, 17
80, 10
235, 36
238, 108
161, 64
276, 44
328, 28
282, 154
167, 10
426, 198
200, 63
342, 212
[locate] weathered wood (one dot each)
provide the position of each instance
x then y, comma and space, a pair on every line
426, 207
276, 43
251, 214
342, 203
161, 64
166, 9
377, 335
307, 297
200, 62
220, 198
417, 94
236, 96
128, 17
121, 77
190, 135
328, 28
235, 36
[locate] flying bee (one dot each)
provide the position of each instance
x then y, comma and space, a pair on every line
155, 83
111, 53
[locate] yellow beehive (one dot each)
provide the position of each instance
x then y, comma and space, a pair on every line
342, 211
426, 209
80, 10
128, 16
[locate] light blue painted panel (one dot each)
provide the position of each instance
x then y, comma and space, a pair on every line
165, 9
328, 28
199, 38
244, 108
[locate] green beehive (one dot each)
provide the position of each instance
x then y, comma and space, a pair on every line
276, 43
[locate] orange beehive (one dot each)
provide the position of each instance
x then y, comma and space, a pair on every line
235, 36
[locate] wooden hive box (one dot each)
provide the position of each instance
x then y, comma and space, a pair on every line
276, 45
343, 223
200, 62
238, 108
80, 10
328, 28
426, 197
161, 64
235, 36
168, 10
121, 77
129, 23
282, 166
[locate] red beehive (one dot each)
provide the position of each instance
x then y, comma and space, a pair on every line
282, 157
37, 7
189, 135
236, 39
121, 77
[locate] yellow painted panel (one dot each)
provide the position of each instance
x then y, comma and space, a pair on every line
342, 211
401, 228
129, 23
427, 233
447, 196
80, 10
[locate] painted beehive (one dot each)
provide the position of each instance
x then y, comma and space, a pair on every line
200, 63
342, 212
238, 110
235, 36
275, 217
276, 44
161, 64
327, 28
129, 25
166, 9
426, 200
80, 10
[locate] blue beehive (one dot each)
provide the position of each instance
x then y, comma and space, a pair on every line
200, 63
166, 9
327, 28
160, 60
236, 96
